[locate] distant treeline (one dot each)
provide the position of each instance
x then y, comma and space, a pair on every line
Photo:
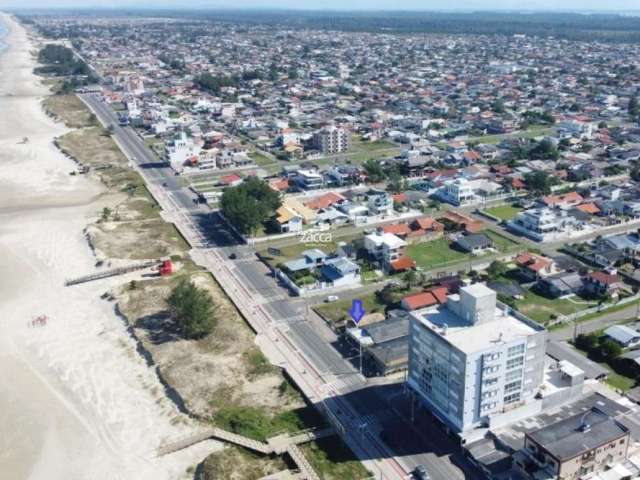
572, 26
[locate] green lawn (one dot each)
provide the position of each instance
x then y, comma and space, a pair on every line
541, 308
333, 460
502, 243
364, 145
619, 382
435, 253
256, 423
504, 212
261, 159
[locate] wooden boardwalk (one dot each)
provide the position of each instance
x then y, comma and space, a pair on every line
111, 273
274, 445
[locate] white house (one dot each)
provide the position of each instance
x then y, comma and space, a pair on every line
543, 224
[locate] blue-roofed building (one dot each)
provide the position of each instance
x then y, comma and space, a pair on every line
311, 259
340, 271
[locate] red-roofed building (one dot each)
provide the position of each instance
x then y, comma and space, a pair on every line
469, 224
590, 208
325, 201
401, 230
603, 283
534, 267
280, 185
418, 301
231, 180
402, 264
428, 298
565, 201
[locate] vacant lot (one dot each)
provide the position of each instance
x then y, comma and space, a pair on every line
504, 212
542, 309
337, 313
502, 243
434, 254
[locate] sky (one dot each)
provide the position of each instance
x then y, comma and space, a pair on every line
563, 5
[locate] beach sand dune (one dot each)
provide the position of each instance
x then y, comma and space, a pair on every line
76, 400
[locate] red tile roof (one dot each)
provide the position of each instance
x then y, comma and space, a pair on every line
604, 278
588, 208
325, 201
399, 229
419, 300
403, 263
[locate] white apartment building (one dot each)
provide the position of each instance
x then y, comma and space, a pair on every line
331, 140
472, 359
462, 191
384, 247
543, 224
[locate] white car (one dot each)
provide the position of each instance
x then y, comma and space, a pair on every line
332, 298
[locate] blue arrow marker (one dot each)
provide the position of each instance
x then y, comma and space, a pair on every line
357, 311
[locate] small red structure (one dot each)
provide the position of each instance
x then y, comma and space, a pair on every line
166, 268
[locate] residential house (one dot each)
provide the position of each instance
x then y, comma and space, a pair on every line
292, 215
474, 243
560, 284
582, 445
625, 336
543, 224
602, 283
533, 267
384, 247
428, 298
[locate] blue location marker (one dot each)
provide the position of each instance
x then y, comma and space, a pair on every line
357, 311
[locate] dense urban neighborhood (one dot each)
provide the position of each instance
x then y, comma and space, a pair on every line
432, 239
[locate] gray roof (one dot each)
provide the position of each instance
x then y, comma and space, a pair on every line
565, 281
580, 433
513, 434
622, 333
392, 352
563, 351
474, 240
391, 329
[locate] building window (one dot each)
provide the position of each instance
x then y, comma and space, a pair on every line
512, 387
515, 362
515, 397
517, 350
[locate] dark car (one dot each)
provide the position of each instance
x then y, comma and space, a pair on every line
233, 256
421, 473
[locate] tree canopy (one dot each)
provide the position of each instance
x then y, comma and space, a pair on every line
249, 204
193, 310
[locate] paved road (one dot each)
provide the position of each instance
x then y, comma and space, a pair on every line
588, 326
369, 406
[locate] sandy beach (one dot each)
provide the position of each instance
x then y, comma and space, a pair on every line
76, 400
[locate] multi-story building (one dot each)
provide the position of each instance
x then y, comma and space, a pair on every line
542, 224
579, 446
384, 247
331, 140
473, 359
379, 202
308, 179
